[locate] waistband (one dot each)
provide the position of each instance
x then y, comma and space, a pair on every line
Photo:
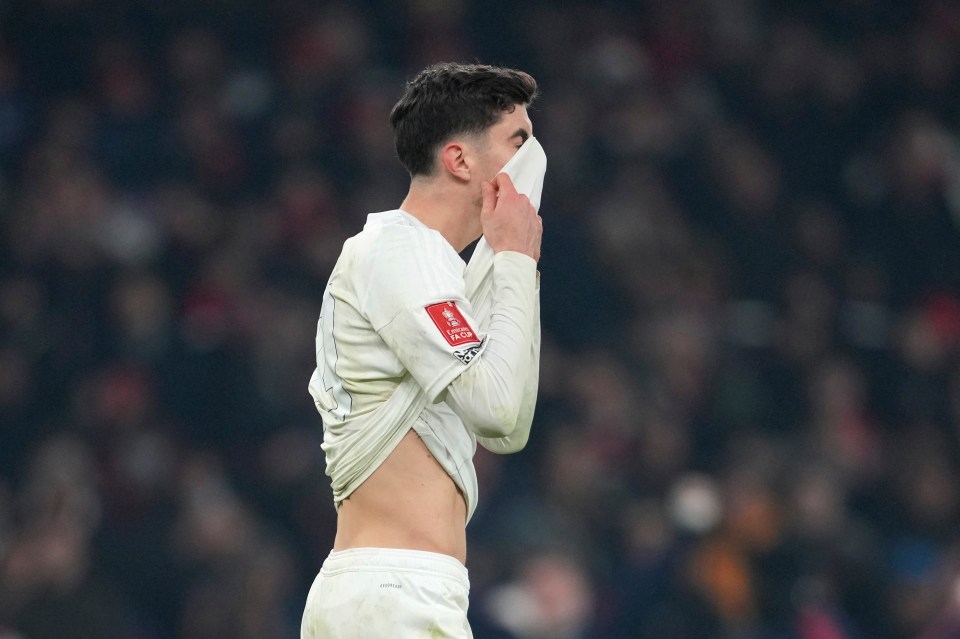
394, 559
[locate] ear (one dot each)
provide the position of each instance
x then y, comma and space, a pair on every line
453, 160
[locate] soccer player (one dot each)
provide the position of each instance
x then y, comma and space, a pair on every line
409, 378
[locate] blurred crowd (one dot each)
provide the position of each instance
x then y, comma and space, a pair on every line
749, 419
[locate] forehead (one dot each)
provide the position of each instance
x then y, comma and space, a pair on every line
513, 120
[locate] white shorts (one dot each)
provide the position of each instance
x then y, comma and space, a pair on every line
382, 593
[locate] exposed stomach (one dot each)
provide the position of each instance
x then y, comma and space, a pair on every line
408, 502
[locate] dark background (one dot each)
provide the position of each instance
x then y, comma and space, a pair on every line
749, 419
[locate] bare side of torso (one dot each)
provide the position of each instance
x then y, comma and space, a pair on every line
408, 502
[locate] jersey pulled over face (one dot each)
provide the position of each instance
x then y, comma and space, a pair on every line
502, 141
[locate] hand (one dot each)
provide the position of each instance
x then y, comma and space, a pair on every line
509, 221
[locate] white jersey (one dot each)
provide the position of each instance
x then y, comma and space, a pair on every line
396, 328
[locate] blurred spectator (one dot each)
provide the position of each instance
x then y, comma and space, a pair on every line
749, 419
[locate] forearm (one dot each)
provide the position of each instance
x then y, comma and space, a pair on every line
492, 394
516, 440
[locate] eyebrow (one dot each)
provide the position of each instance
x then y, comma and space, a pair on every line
521, 133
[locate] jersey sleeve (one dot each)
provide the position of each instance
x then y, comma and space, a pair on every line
517, 440
414, 297
495, 396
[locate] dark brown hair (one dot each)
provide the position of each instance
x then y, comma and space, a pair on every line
448, 99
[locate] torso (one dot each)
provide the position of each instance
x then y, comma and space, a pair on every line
369, 342
408, 502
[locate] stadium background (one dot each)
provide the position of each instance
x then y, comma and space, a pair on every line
749, 421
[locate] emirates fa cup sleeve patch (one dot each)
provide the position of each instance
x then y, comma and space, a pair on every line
453, 326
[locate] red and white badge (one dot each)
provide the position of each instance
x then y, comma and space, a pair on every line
453, 326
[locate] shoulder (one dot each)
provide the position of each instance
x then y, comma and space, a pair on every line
400, 228
400, 263
394, 241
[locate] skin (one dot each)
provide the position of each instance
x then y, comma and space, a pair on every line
409, 501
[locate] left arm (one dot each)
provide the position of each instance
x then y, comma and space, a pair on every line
517, 439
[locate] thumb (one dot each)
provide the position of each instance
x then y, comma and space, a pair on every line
489, 193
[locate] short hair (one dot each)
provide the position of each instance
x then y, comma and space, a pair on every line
448, 99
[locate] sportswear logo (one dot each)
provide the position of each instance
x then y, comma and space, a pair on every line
453, 326
466, 355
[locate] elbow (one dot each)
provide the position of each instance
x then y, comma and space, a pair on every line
516, 444
500, 421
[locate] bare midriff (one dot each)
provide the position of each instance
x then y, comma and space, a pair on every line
408, 502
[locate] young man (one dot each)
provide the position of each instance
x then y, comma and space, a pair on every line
408, 379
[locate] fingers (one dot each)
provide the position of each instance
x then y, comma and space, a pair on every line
509, 220
536, 252
505, 184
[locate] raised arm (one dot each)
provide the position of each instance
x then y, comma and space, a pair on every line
495, 396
